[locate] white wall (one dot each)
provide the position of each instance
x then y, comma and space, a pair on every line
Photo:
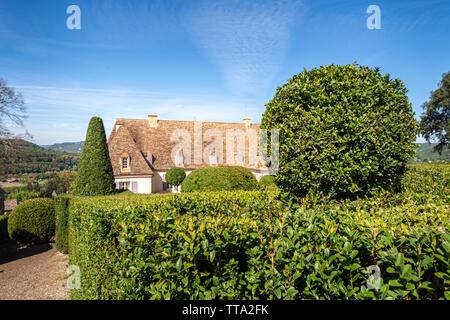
155, 184
144, 185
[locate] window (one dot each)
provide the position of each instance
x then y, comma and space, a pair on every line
124, 185
124, 163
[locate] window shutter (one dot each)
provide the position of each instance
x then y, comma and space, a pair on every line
134, 186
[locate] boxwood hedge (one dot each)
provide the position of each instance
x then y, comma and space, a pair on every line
267, 182
32, 221
344, 131
219, 178
249, 245
62, 221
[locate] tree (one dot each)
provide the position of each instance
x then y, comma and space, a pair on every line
62, 183
95, 174
12, 109
344, 131
175, 176
435, 121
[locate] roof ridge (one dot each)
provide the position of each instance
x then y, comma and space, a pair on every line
130, 119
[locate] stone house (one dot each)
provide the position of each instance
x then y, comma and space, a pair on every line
143, 150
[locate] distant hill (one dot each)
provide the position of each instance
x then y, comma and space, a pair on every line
71, 147
425, 153
26, 157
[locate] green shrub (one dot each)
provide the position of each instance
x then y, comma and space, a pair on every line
344, 132
125, 193
4, 228
219, 178
267, 182
22, 196
95, 174
32, 221
429, 179
248, 245
175, 176
62, 223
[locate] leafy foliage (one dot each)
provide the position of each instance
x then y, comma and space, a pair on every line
62, 183
175, 176
23, 195
435, 122
219, 178
95, 175
344, 131
32, 221
249, 245
267, 182
62, 223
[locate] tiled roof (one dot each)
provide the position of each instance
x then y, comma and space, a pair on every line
142, 141
10, 205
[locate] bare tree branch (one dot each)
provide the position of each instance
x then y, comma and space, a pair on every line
12, 109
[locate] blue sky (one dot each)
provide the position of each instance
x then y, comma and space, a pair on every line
213, 60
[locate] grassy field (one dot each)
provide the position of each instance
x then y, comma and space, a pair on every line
11, 185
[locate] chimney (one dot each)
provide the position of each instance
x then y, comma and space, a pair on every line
247, 122
153, 120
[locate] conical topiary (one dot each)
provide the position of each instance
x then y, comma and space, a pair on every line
95, 173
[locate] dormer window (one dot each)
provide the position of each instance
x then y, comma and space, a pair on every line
125, 162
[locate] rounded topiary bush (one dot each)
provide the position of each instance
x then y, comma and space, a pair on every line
344, 131
32, 221
267, 182
219, 178
175, 176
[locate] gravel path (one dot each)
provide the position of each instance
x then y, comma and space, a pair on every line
34, 273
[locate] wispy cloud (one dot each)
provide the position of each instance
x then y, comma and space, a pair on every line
62, 114
247, 40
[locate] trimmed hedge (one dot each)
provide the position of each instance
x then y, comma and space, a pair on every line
267, 182
32, 221
219, 178
62, 223
248, 245
95, 173
4, 228
344, 131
